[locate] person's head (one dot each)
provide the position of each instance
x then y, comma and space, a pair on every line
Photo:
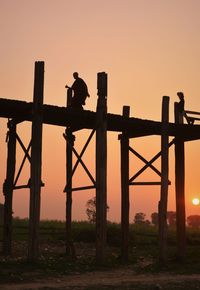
75, 75
180, 95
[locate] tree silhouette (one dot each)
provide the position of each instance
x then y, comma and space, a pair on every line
91, 209
193, 221
154, 218
171, 218
139, 218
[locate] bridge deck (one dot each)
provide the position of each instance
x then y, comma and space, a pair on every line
79, 119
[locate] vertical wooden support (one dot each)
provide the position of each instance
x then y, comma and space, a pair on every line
8, 188
69, 97
164, 182
101, 168
70, 138
124, 139
180, 187
36, 162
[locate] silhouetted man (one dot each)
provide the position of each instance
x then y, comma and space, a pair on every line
80, 91
182, 101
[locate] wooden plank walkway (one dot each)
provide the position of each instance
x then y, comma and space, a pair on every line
80, 119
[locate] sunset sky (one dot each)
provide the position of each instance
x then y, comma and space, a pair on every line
149, 48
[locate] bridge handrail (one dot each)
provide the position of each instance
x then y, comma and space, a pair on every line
190, 120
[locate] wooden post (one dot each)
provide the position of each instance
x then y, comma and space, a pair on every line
70, 138
164, 181
36, 163
8, 189
125, 190
69, 97
101, 168
180, 188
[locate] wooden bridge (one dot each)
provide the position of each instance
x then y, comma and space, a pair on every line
99, 122
83, 119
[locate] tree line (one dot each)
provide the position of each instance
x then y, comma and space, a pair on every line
140, 217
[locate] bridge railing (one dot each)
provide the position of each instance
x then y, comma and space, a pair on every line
191, 116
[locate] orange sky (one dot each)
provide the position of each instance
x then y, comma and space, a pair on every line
149, 48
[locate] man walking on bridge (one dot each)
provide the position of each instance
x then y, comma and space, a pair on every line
80, 91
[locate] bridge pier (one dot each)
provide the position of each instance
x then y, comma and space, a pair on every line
124, 140
180, 188
8, 188
101, 168
70, 138
36, 163
162, 208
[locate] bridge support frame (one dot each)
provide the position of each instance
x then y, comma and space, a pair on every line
100, 182
124, 139
126, 181
162, 208
36, 163
180, 187
8, 188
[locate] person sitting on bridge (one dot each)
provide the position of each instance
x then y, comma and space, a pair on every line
182, 102
181, 105
80, 91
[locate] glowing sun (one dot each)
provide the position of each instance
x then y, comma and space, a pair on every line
195, 201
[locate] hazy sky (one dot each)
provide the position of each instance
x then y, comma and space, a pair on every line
149, 48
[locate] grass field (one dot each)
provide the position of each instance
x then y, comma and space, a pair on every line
53, 262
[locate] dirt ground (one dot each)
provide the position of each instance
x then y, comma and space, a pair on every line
123, 278
118, 278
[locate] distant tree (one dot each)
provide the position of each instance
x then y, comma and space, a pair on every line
139, 218
171, 218
147, 222
154, 218
91, 209
193, 221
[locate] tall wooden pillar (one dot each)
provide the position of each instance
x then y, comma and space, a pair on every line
8, 188
36, 162
164, 181
70, 139
124, 139
180, 187
101, 168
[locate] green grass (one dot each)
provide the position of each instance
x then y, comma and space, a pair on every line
54, 262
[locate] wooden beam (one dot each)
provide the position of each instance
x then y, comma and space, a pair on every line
62, 116
83, 188
145, 161
8, 189
124, 139
164, 182
79, 160
150, 162
70, 138
36, 162
145, 183
22, 164
69, 161
192, 112
83, 151
180, 188
69, 97
26, 151
101, 168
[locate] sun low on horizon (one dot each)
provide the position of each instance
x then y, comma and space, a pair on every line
196, 201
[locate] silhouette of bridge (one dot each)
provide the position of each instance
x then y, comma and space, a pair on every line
99, 122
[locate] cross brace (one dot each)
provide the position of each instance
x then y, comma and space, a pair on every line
26, 156
79, 160
147, 164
